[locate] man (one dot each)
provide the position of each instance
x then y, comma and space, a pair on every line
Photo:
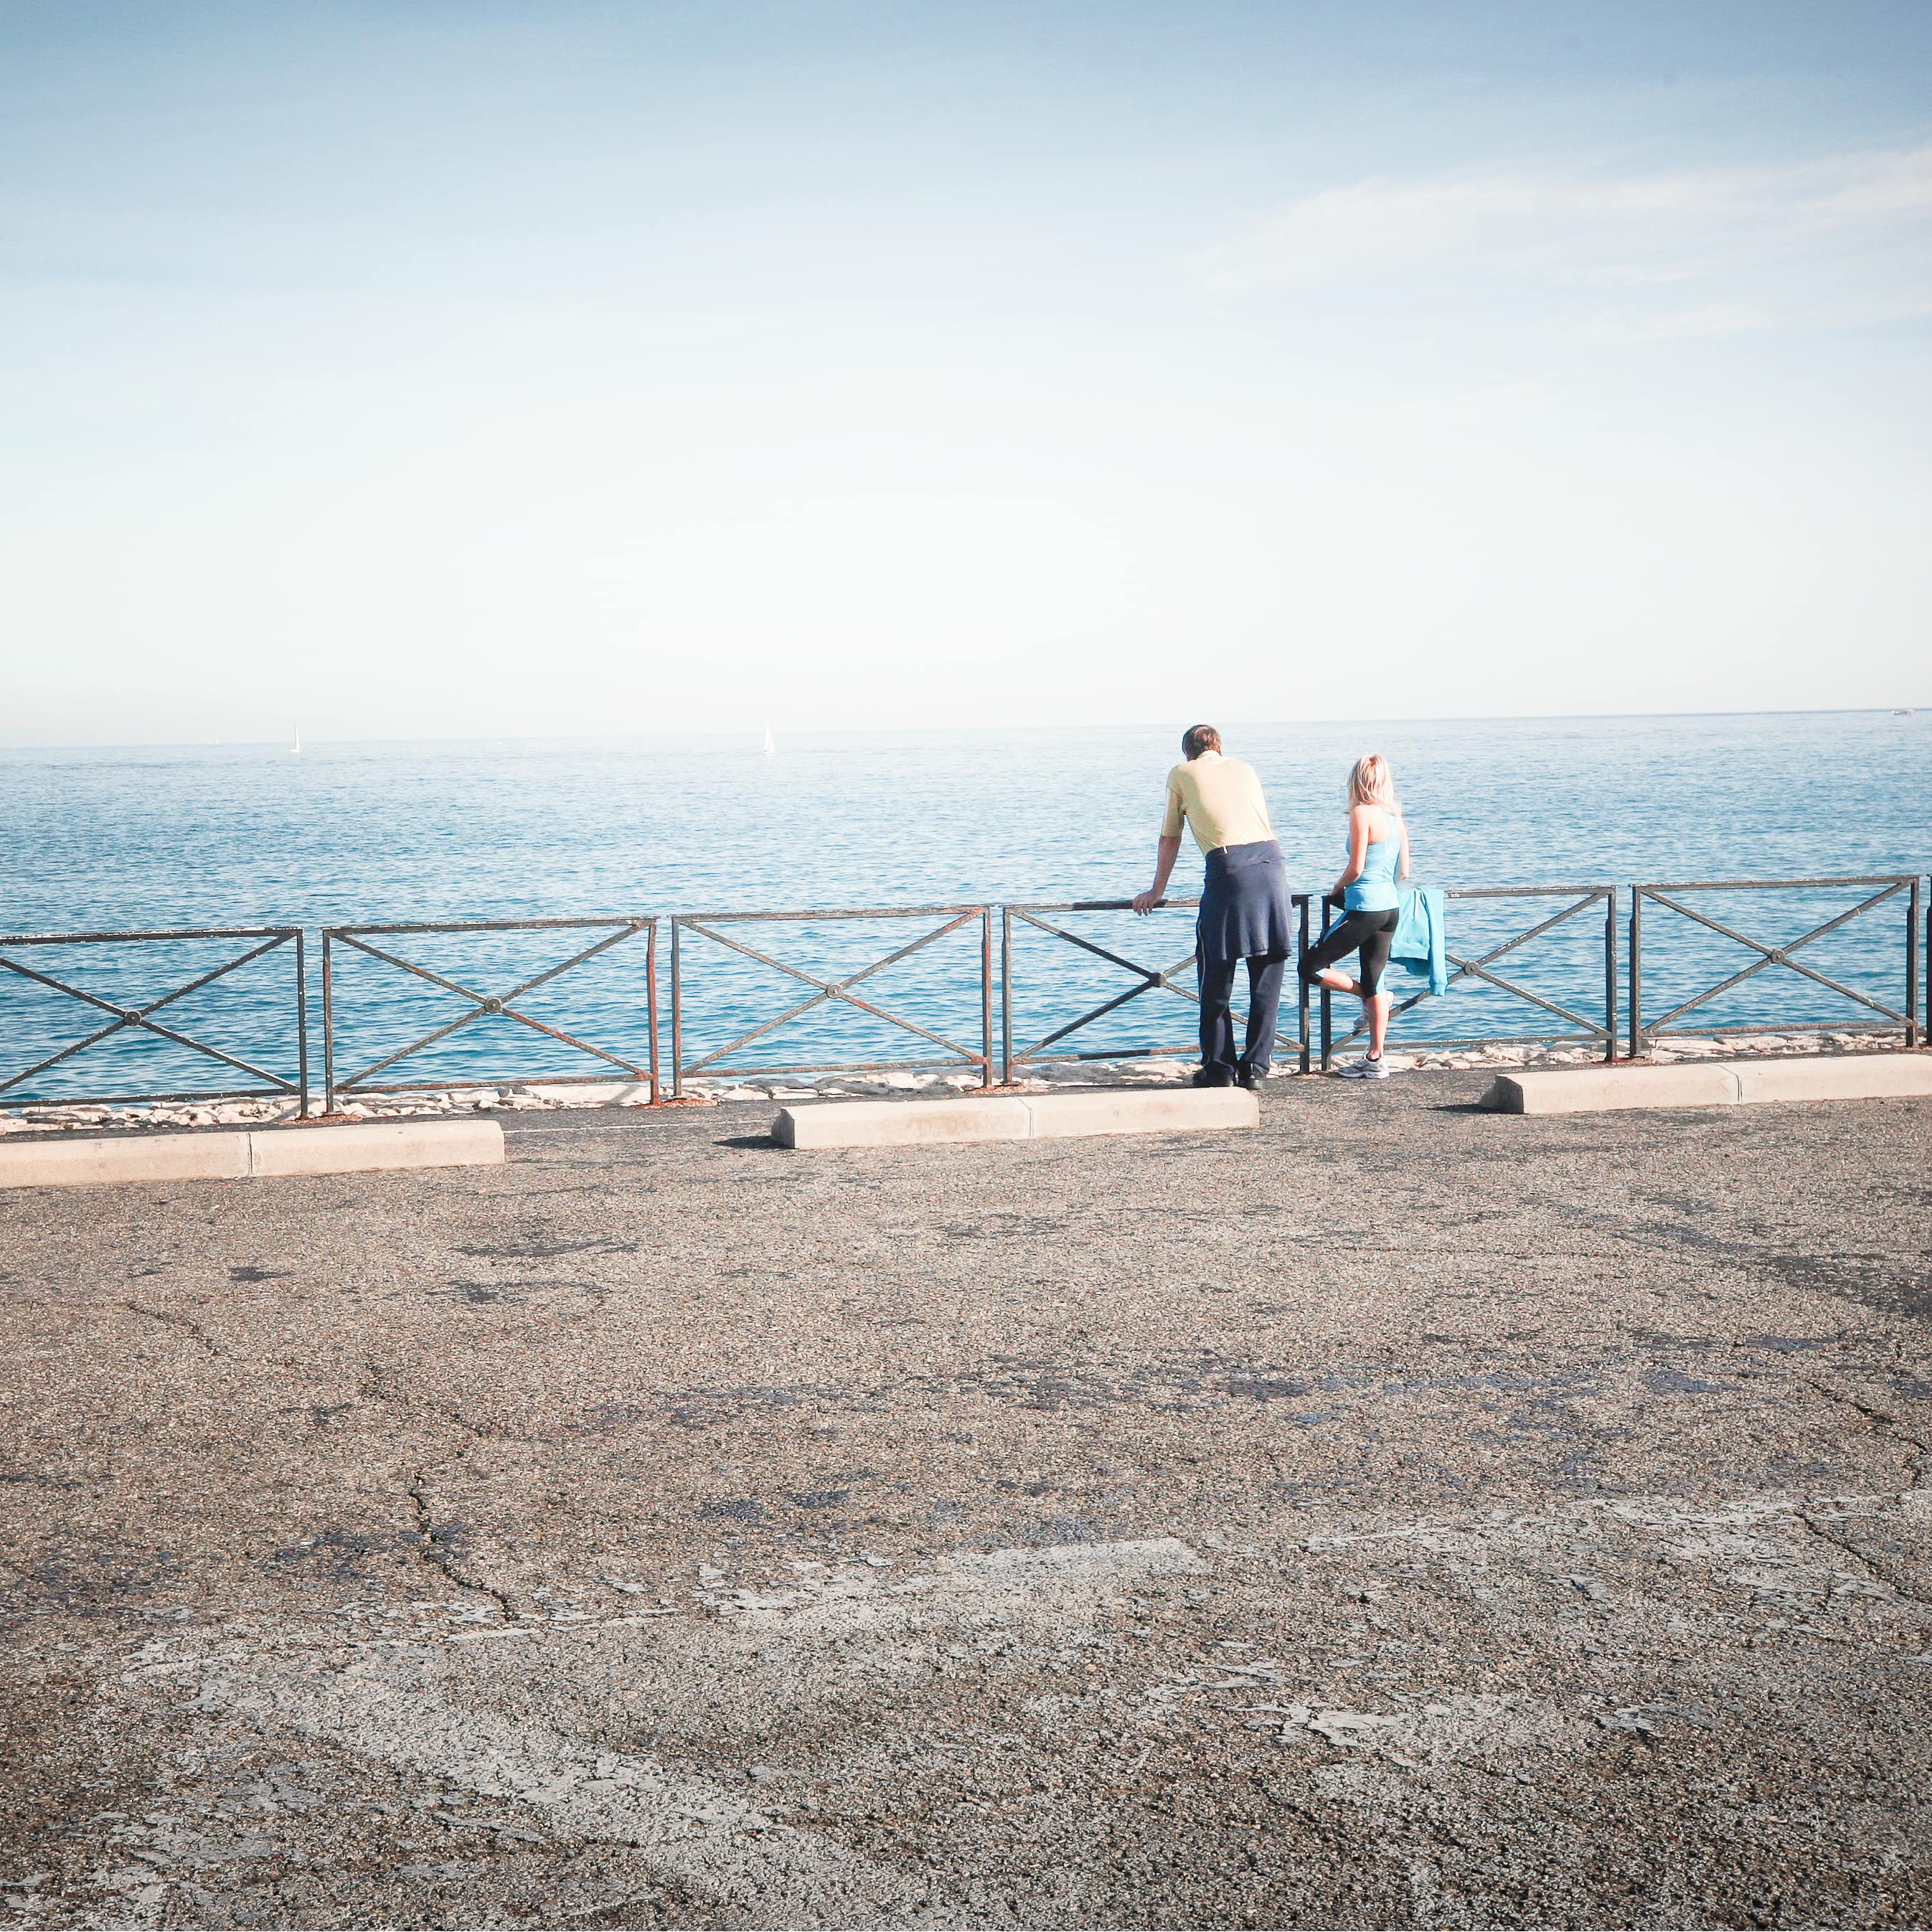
1247, 912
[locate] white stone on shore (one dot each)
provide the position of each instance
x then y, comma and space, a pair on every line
54, 1116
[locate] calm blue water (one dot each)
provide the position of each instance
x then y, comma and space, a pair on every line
96, 840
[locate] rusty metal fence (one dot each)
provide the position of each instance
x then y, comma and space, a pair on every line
1669, 936
1905, 1018
135, 1020
829, 992
616, 930
1584, 1028
1019, 918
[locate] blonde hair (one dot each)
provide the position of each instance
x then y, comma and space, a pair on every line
1371, 783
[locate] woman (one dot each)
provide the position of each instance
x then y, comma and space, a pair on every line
1366, 892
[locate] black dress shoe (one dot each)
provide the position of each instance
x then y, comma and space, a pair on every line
1213, 1076
1245, 1076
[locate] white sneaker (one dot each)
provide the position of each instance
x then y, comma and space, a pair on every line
1364, 1069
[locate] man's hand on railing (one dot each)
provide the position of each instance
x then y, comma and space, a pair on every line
1164, 853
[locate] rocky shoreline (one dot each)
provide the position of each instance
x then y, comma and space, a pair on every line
539, 1096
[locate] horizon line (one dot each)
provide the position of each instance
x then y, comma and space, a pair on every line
963, 730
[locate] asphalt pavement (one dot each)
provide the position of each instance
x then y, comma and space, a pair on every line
1401, 1515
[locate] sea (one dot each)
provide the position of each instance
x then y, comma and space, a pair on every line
345, 835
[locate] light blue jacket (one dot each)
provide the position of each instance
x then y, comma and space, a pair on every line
1421, 942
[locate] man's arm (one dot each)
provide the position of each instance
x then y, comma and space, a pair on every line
1165, 852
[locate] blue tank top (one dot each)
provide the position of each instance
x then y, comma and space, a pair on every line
1375, 890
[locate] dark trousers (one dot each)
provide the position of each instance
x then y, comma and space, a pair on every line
1217, 1021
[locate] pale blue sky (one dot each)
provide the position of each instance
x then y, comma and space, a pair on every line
468, 368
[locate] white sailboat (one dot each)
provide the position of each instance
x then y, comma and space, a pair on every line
771, 744
294, 750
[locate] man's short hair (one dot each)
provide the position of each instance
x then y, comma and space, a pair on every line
1199, 738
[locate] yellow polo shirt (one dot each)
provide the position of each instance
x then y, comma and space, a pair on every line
1220, 799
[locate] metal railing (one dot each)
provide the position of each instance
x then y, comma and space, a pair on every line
1642, 1031
1585, 1031
283, 1020
1149, 979
829, 992
486, 1005
140, 1018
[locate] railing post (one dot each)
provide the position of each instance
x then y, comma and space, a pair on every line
1636, 1045
676, 1010
1610, 976
1006, 996
301, 1025
651, 992
985, 996
1328, 1023
327, 1028
1914, 1032
1301, 981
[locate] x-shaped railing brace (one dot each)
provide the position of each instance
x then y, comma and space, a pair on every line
1773, 955
140, 1017
1151, 981
1478, 969
486, 1005
828, 990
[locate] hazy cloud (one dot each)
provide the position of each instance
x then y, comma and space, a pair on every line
1632, 229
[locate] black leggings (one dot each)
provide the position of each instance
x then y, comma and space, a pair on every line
1370, 933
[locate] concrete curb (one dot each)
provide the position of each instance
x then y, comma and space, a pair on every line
370, 1146
846, 1123
364, 1147
1599, 1089
1184, 1110
1888, 1076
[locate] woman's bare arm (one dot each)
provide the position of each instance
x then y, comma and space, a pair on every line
1404, 873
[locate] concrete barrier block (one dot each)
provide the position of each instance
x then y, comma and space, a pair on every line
839, 1123
372, 1145
836, 1123
1865, 1076
1598, 1090
122, 1159
1161, 1110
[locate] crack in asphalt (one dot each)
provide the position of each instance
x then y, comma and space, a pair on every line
1877, 1568
1881, 1419
429, 1547
182, 1322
